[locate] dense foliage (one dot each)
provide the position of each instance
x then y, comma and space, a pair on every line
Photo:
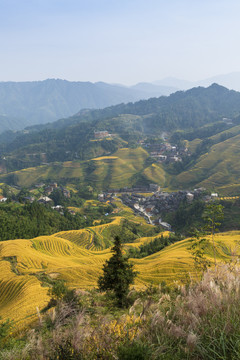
189, 217
153, 246
30, 220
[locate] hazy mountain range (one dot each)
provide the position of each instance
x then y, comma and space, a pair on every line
231, 81
38, 102
206, 120
24, 104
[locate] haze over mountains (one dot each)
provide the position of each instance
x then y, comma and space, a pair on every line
28, 103
203, 120
231, 81
24, 104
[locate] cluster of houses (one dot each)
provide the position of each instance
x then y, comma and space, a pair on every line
44, 198
53, 186
154, 207
102, 134
165, 152
48, 189
160, 203
137, 189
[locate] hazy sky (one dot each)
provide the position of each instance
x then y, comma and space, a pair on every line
118, 41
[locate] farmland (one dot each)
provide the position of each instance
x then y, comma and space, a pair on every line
119, 169
78, 256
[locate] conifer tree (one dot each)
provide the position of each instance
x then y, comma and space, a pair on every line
118, 274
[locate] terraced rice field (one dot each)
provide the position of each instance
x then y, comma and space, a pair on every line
71, 256
118, 169
113, 171
93, 238
218, 168
156, 174
29, 176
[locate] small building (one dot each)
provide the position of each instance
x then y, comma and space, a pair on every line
44, 200
48, 190
154, 187
66, 193
58, 208
39, 185
149, 208
162, 157
175, 158
168, 147
3, 199
189, 197
101, 134
29, 199
101, 197
165, 225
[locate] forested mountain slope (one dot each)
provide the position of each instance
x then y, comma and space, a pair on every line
39, 102
206, 119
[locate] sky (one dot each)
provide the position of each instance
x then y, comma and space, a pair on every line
118, 41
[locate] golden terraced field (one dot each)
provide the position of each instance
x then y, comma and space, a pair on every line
114, 171
72, 256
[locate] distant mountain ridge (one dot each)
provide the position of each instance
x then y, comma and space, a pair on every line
206, 120
39, 102
231, 81
30, 103
68, 139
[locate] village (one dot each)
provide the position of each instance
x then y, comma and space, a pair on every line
40, 193
151, 202
165, 152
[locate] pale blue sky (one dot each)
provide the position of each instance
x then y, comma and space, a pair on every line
118, 41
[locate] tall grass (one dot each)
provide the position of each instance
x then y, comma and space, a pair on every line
197, 321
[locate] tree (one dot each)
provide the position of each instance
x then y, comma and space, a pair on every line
198, 250
212, 214
118, 274
5, 328
58, 290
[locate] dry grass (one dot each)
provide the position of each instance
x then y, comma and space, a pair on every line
199, 321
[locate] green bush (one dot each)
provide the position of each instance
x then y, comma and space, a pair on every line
134, 351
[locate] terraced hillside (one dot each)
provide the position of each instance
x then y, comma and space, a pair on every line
74, 256
70, 147
219, 168
123, 168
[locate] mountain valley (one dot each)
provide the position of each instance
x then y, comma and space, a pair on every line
144, 172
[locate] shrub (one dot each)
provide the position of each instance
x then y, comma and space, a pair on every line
134, 351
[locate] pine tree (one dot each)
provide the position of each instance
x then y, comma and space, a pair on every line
118, 274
